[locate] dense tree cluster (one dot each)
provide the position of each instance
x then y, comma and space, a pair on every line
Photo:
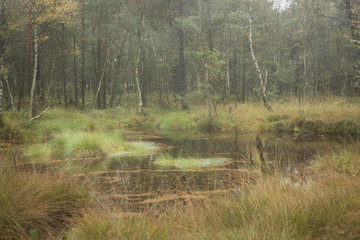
92, 52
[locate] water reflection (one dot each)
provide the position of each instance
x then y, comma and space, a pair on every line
136, 182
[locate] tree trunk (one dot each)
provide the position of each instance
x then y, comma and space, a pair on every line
82, 54
243, 87
104, 77
50, 80
208, 93
2, 57
227, 75
100, 82
31, 105
144, 77
10, 94
1, 90
262, 85
115, 82
99, 54
298, 73
75, 72
28, 55
137, 60
63, 70
181, 80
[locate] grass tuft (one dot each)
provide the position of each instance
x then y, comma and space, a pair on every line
41, 203
78, 144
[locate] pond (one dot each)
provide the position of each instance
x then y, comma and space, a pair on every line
221, 164
176, 168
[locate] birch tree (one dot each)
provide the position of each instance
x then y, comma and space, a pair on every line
262, 82
2, 53
39, 12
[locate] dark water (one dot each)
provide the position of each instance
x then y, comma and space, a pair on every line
135, 183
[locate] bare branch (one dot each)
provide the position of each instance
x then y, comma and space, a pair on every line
40, 115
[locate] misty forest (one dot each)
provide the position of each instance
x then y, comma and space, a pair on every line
179, 119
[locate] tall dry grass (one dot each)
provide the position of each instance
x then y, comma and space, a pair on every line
40, 203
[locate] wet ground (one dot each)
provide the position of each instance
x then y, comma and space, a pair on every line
135, 181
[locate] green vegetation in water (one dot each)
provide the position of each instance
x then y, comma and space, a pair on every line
167, 161
74, 134
91, 165
325, 205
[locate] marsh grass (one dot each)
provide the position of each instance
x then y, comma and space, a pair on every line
39, 152
79, 144
31, 202
331, 115
15, 127
324, 205
270, 209
342, 160
96, 226
58, 120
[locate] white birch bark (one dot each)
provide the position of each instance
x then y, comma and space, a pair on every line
137, 61
10, 94
261, 81
227, 75
100, 82
31, 107
208, 89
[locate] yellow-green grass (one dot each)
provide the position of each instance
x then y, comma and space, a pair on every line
58, 120
331, 115
39, 152
328, 116
15, 127
342, 160
80, 144
40, 204
168, 161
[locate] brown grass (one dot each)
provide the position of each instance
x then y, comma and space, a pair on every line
33, 202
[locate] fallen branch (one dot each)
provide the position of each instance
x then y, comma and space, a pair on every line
40, 115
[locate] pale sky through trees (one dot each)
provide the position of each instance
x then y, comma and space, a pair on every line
283, 3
